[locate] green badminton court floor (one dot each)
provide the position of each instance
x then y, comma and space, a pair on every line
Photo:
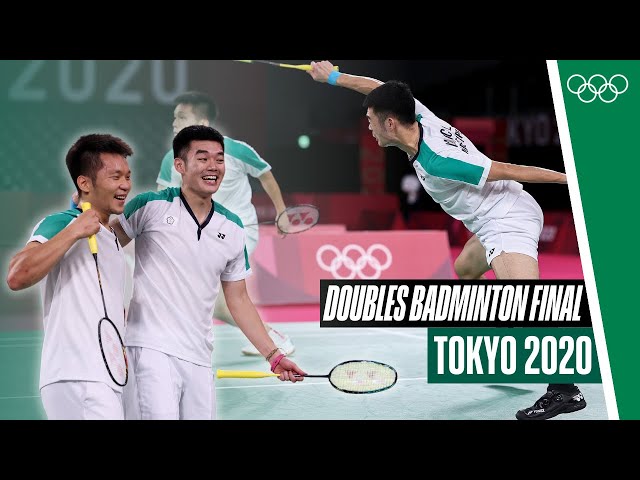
317, 351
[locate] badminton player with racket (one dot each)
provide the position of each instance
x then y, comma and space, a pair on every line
242, 161
487, 196
187, 246
75, 382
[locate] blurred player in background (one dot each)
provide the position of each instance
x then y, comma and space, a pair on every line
74, 382
196, 108
485, 195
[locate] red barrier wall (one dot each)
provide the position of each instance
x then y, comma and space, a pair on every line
288, 270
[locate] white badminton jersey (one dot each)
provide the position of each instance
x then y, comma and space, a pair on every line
178, 268
454, 173
72, 304
234, 193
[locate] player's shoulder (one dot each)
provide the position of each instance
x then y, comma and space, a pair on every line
239, 149
64, 217
149, 199
422, 112
222, 210
53, 223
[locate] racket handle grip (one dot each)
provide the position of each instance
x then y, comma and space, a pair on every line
93, 241
243, 374
308, 67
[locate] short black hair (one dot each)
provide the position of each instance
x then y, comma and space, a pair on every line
83, 158
202, 104
187, 135
392, 98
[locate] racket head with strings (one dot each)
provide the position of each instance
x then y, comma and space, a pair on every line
297, 218
362, 376
113, 351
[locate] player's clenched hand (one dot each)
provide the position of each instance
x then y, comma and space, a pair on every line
87, 224
282, 223
320, 71
287, 371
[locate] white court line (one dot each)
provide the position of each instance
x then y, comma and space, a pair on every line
14, 398
278, 385
408, 335
23, 345
20, 339
305, 383
297, 335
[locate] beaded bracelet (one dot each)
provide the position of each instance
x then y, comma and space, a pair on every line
268, 357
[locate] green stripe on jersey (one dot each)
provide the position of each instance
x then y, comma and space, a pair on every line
142, 199
246, 259
227, 213
449, 168
243, 152
55, 223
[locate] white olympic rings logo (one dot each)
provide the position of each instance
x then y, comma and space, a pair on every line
595, 90
342, 259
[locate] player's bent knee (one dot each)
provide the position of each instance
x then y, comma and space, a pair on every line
462, 269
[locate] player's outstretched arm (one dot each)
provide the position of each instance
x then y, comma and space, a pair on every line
323, 72
524, 173
247, 318
270, 185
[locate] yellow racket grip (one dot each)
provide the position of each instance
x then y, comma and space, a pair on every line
93, 241
243, 374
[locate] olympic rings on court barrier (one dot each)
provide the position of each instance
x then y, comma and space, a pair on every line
341, 259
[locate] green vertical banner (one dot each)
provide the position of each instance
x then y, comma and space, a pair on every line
597, 105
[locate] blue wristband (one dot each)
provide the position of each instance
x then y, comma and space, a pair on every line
333, 77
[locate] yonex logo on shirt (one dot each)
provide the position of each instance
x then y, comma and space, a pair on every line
221, 235
170, 220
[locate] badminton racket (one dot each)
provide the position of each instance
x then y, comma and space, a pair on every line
111, 345
295, 219
353, 376
283, 65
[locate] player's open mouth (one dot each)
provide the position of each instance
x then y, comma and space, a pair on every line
210, 178
120, 197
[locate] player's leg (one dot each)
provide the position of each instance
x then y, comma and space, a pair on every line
198, 400
515, 266
130, 402
157, 385
70, 400
511, 242
514, 241
471, 263
102, 402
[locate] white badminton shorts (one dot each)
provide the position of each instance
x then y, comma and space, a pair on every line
518, 232
163, 387
80, 400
